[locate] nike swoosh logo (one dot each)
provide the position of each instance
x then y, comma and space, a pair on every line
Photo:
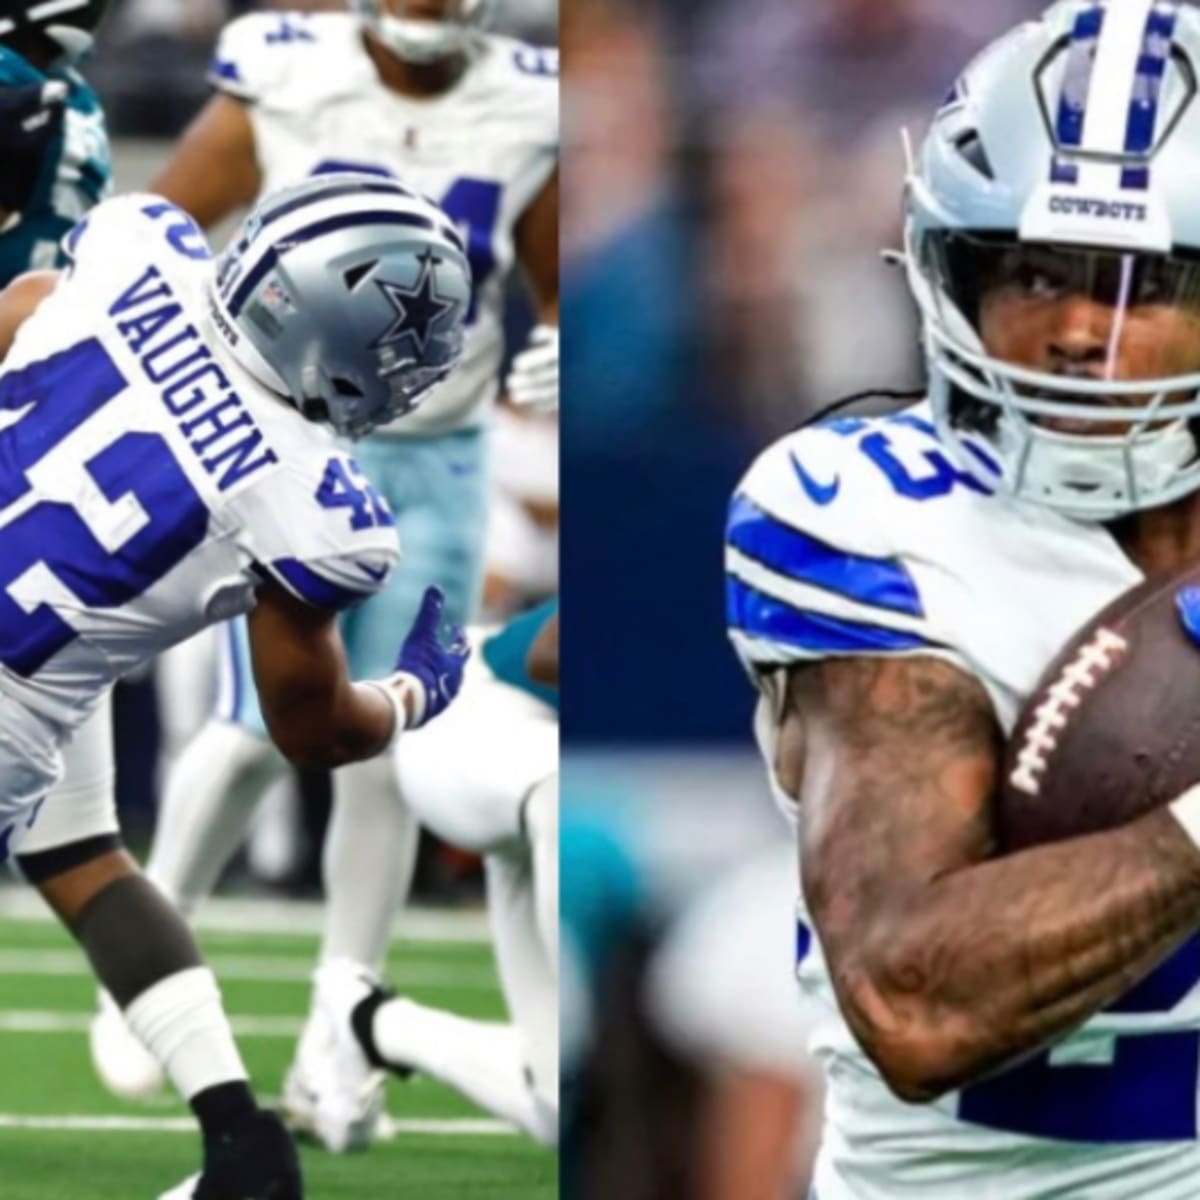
818, 493
376, 573
458, 468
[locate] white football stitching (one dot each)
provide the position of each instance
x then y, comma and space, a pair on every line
1077, 676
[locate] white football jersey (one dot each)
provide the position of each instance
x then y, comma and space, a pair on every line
483, 151
147, 484
861, 536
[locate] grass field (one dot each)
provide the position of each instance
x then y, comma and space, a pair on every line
62, 1135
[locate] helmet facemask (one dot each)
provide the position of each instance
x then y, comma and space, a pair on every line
418, 40
1080, 367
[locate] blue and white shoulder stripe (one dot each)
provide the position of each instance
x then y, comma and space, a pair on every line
807, 572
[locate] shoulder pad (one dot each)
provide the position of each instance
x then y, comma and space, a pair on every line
114, 222
255, 52
527, 76
810, 569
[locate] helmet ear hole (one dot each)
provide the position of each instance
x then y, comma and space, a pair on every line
344, 387
353, 276
970, 146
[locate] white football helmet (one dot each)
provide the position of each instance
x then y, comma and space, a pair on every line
1063, 170
421, 40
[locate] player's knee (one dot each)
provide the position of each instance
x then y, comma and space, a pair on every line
42, 867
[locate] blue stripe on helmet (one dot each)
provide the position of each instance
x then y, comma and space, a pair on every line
310, 233
382, 184
755, 613
1077, 83
879, 582
1147, 88
383, 187
312, 588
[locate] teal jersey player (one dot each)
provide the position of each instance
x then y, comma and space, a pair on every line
75, 173
506, 651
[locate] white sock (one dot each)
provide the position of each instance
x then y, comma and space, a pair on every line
370, 851
481, 1060
527, 977
211, 796
182, 1022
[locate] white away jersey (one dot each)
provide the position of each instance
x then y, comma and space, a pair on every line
861, 536
147, 484
483, 151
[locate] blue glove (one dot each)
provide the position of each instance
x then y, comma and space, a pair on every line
1187, 601
433, 667
30, 118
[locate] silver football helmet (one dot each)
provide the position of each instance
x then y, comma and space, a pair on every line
421, 40
1053, 205
347, 294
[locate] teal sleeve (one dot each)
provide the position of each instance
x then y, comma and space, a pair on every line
506, 652
76, 175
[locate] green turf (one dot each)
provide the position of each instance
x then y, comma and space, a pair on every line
48, 1075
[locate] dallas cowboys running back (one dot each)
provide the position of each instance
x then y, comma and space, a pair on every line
418, 92
1025, 1026
165, 466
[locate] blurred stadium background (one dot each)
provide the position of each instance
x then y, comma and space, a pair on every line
733, 171
149, 69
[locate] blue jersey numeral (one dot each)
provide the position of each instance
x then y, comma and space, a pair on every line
534, 60
184, 235
936, 476
475, 203
345, 486
59, 394
472, 204
1142, 1089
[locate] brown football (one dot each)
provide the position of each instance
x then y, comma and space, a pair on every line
1113, 728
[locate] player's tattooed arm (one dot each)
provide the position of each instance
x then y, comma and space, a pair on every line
214, 170
18, 300
949, 962
537, 248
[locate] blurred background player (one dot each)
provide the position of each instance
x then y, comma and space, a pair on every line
56, 156
498, 800
418, 92
721, 992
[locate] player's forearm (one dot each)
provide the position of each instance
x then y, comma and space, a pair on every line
984, 964
358, 725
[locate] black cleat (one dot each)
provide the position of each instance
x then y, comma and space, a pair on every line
259, 1162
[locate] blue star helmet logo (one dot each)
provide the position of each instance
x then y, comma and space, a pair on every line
418, 309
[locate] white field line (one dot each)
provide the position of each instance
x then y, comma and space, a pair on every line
227, 915
40, 1021
396, 1127
262, 969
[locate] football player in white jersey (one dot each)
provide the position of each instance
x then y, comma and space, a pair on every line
165, 463
415, 91
1023, 1026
